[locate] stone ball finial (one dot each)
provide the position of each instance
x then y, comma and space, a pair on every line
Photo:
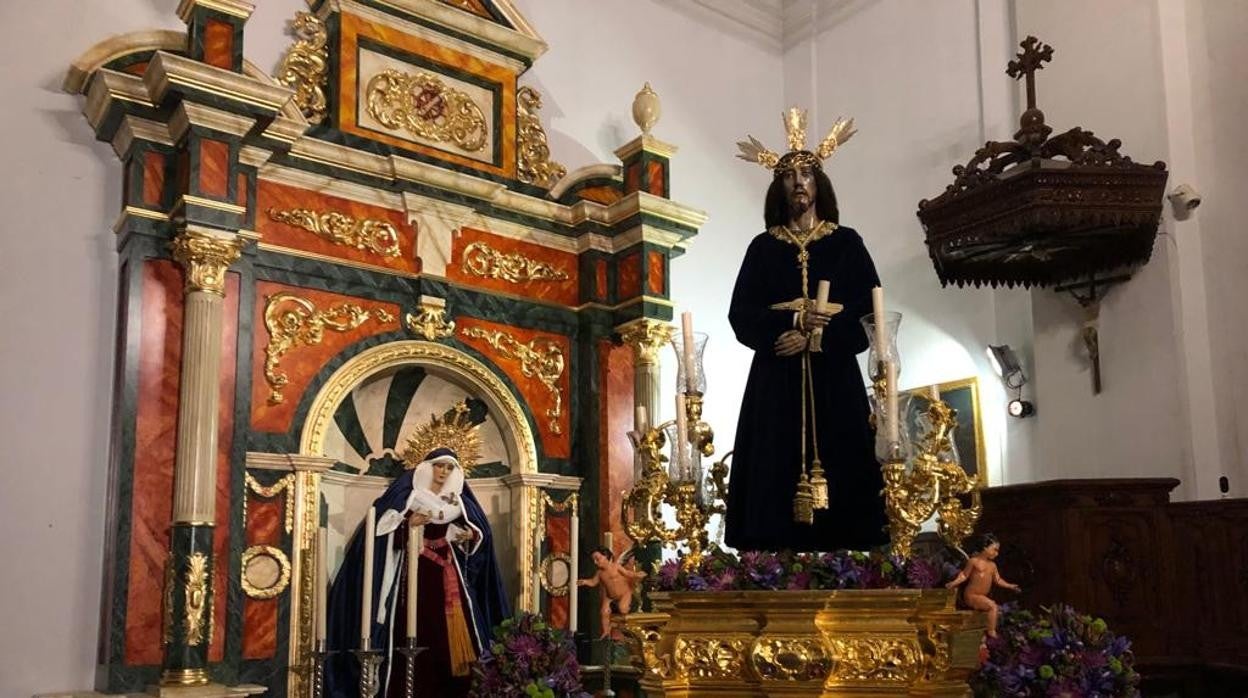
646, 109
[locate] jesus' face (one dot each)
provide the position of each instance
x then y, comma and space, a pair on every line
799, 188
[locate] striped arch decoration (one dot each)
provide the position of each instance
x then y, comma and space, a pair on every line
371, 426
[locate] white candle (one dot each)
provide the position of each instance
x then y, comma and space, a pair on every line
891, 418
686, 331
322, 582
821, 295
933, 393
415, 544
682, 435
575, 573
366, 603
606, 542
639, 420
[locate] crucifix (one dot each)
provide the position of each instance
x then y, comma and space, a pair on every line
1034, 55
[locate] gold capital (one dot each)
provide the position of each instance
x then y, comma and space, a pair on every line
205, 258
646, 337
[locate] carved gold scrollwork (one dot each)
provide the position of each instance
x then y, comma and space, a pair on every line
534, 164
427, 107
368, 234
710, 657
791, 659
265, 572
647, 638
305, 66
541, 358
876, 659
198, 604
482, 260
293, 321
430, 322
205, 258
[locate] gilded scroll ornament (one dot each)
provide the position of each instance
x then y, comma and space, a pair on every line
710, 657
541, 358
265, 572
876, 659
454, 430
205, 258
367, 234
482, 260
293, 321
305, 66
430, 322
646, 337
427, 107
198, 605
791, 659
534, 165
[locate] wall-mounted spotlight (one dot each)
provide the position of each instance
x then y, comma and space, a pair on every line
1010, 371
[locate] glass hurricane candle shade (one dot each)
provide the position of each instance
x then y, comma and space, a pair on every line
884, 366
698, 384
688, 470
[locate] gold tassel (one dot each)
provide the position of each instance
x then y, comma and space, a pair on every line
462, 653
818, 486
803, 502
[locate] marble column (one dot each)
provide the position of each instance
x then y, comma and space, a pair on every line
204, 255
647, 337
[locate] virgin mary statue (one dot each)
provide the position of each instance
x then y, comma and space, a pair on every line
460, 594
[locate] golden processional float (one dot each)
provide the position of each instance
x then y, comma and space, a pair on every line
843, 642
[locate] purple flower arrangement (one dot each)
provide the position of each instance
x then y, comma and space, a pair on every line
767, 571
528, 658
1056, 652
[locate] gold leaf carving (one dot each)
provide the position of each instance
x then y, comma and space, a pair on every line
647, 337
305, 66
876, 659
368, 234
791, 659
710, 657
534, 165
541, 358
198, 603
205, 258
259, 552
293, 321
430, 322
427, 107
286, 484
482, 260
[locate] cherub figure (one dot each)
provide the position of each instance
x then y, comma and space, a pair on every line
617, 582
982, 574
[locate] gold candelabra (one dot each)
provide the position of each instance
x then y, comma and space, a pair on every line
687, 494
931, 483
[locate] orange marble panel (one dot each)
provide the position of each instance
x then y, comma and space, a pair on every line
225, 444
136, 68
260, 621
265, 519
536, 396
153, 178
214, 167
565, 292
302, 362
558, 542
219, 44
240, 191
600, 280
615, 410
603, 195
628, 277
632, 177
654, 273
654, 172
281, 197
473, 6
156, 421
353, 28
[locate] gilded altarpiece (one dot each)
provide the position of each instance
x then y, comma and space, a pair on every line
313, 264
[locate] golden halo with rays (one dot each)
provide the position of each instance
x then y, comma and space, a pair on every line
453, 430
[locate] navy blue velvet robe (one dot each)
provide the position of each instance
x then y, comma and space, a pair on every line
767, 459
480, 584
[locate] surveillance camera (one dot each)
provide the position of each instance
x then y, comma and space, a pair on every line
1184, 199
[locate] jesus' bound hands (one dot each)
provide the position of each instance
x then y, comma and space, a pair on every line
790, 343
